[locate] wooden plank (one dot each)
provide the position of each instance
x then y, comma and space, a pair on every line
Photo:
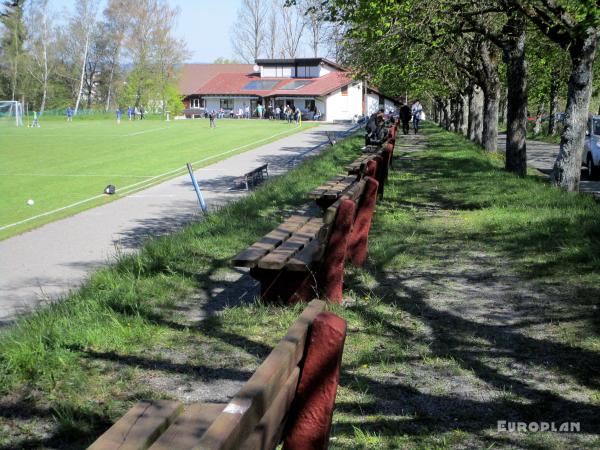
246, 409
189, 427
139, 427
250, 256
299, 239
269, 430
303, 260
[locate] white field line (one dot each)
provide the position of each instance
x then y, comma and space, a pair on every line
70, 175
145, 183
146, 131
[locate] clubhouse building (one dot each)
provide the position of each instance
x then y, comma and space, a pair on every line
317, 86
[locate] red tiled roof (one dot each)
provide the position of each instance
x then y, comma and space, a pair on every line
193, 76
233, 84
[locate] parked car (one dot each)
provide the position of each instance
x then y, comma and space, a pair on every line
591, 151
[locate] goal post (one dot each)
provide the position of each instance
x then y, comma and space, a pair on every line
11, 113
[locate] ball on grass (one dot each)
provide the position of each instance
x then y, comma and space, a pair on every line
30, 202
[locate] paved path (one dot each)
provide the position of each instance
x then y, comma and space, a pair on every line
541, 155
46, 263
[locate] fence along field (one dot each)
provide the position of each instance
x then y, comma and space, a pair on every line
64, 167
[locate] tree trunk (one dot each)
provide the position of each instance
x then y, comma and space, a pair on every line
447, 114
516, 97
567, 167
537, 128
455, 107
464, 114
85, 52
476, 115
554, 86
490, 84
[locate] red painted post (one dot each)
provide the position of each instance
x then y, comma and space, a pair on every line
332, 267
309, 423
371, 168
379, 174
358, 246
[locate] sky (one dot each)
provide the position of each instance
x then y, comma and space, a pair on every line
203, 24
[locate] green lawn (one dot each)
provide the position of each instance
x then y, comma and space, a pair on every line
65, 163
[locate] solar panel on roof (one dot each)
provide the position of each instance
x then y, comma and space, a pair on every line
260, 85
297, 84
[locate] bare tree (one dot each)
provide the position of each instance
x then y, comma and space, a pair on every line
315, 22
116, 17
248, 32
293, 23
82, 25
39, 43
273, 31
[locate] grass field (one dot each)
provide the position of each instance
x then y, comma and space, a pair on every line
63, 164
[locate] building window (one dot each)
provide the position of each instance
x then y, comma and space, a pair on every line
345, 91
227, 103
196, 103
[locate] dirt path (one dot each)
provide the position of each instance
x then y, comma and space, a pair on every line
472, 339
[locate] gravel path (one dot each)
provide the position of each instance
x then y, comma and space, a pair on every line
46, 263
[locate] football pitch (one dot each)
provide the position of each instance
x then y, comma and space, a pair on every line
64, 167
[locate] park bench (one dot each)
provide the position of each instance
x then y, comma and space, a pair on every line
253, 177
268, 408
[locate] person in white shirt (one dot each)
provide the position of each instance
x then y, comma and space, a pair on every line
417, 110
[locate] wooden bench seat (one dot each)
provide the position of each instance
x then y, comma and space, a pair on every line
253, 177
254, 419
283, 247
333, 189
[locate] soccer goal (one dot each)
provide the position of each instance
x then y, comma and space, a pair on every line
11, 113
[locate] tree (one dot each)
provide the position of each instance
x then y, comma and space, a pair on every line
575, 26
315, 23
248, 32
40, 42
116, 16
293, 23
221, 60
82, 25
12, 41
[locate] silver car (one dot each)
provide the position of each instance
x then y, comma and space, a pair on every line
591, 151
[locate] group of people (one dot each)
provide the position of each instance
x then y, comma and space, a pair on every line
290, 113
414, 112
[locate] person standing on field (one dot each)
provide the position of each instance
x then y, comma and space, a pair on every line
118, 116
69, 114
211, 118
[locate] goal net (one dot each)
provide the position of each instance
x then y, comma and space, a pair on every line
11, 113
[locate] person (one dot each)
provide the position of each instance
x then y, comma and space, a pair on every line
130, 113
317, 115
376, 132
69, 114
298, 116
247, 111
240, 113
141, 113
260, 110
405, 116
417, 110
118, 116
211, 118
136, 111
36, 122
278, 112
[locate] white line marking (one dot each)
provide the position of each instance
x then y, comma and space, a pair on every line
70, 175
146, 131
145, 183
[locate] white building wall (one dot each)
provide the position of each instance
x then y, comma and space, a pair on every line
372, 103
389, 105
324, 69
344, 107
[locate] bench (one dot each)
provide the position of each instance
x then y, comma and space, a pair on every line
268, 408
253, 177
329, 192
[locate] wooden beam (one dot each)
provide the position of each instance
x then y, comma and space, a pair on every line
246, 409
139, 427
189, 427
